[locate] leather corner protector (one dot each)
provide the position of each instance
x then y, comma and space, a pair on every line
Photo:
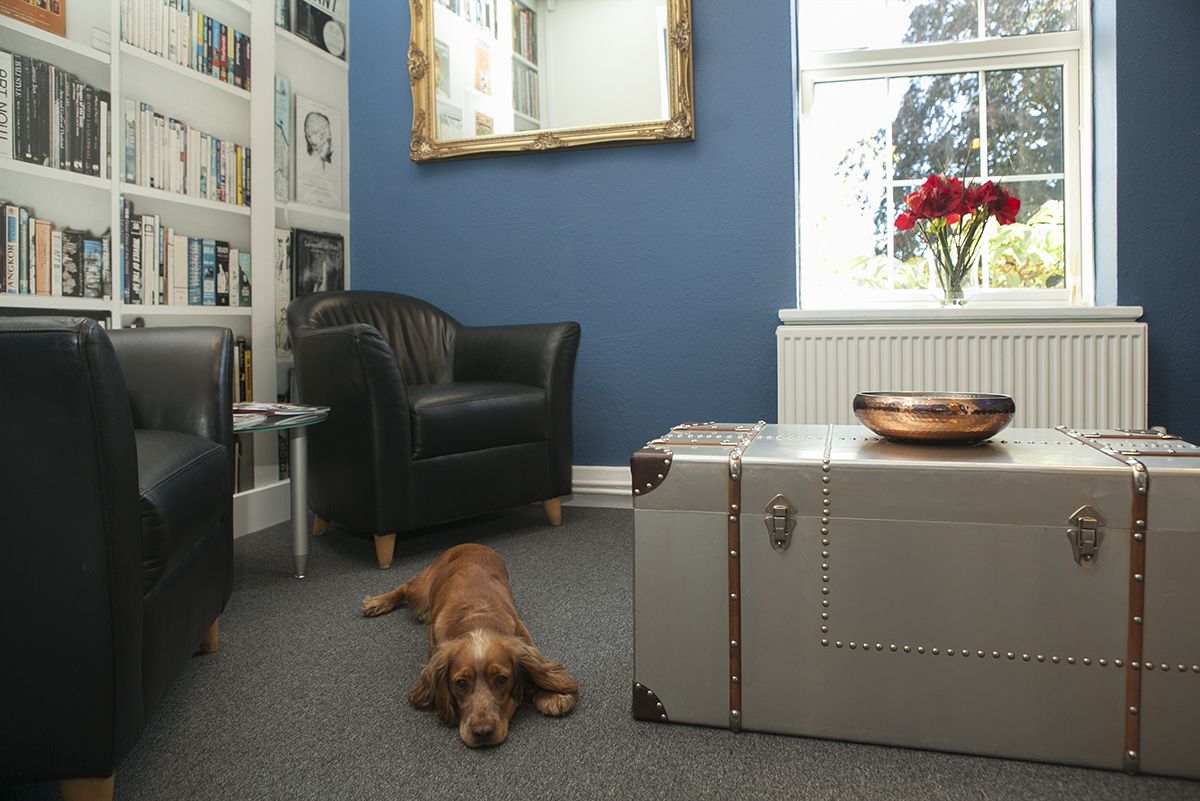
646, 705
649, 467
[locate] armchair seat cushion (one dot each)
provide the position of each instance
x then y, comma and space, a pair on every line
473, 415
183, 488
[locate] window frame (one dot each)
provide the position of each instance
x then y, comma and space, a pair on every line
1069, 50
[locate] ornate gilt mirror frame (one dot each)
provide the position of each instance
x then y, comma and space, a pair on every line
425, 145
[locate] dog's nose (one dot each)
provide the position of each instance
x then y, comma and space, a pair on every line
482, 730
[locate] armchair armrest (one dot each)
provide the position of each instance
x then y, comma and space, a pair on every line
179, 379
362, 452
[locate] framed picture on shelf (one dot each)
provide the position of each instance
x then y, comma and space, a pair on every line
49, 15
483, 67
484, 124
441, 66
318, 262
318, 154
449, 122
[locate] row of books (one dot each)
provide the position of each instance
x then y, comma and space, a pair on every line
165, 153
40, 259
160, 266
525, 90
50, 117
524, 32
320, 22
305, 262
182, 35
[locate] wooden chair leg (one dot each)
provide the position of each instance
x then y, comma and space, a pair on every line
211, 640
87, 789
553, 508
319, 525
385, 546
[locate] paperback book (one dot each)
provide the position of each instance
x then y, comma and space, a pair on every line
319, 155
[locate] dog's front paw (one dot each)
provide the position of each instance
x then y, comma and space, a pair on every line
554, 704
376, 605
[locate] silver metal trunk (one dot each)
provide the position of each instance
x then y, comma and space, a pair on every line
1031, 597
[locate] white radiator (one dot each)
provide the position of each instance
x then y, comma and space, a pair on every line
1082, 374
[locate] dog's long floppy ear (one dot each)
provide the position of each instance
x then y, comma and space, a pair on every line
547, 675
432, 689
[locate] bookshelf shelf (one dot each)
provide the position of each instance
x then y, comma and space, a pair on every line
53, 303
185, 72
300, 211
520, 59
136, 191
53, 174
136, 310
59, 42
300, 45
534, 120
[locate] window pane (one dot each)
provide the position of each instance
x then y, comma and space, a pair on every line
846, 183
1025, 121
936, 125
1018, 17
1030, 254
855, 24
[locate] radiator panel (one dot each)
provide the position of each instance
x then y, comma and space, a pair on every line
1087, 375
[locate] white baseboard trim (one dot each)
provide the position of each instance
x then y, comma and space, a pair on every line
603, 486
592, 485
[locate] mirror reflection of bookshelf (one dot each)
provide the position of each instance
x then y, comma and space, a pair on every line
525, 96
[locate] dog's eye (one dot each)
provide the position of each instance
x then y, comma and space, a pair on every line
501, 681
462, 684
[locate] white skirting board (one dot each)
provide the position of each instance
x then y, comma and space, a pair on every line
601, 486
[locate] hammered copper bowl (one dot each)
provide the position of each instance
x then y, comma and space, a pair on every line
934, 416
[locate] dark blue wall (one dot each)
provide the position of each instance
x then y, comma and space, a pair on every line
674, 258
1158, 176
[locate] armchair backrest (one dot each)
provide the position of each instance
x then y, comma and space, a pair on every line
420, 334
71, 525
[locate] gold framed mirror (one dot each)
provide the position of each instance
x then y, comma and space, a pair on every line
497, 77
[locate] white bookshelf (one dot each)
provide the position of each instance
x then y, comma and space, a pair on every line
71, 200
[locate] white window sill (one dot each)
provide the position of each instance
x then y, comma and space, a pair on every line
971, 313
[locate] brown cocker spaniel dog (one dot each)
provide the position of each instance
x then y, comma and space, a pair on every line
482, 661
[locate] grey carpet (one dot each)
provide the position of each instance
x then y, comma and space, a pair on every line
306, 699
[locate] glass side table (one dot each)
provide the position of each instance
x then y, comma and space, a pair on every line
253, 418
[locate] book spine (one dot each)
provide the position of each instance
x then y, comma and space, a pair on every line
79, 144
195, 292
56, 254
106, 266
135, 259
42, 263
93, 280
12, 249
208, 272
244, 279
180, 271
20, 101
7, 112
23, 243
221, 250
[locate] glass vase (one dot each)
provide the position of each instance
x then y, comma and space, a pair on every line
952, 292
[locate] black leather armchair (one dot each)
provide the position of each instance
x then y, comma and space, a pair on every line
117, 517
431, 420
